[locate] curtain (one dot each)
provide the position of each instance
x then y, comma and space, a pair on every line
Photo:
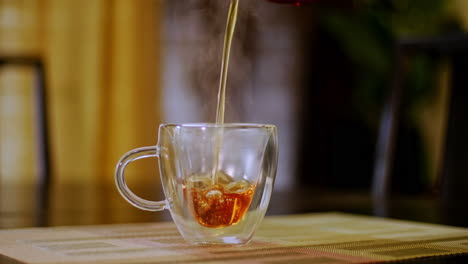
102, 60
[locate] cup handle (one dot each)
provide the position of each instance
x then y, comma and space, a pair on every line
136, 154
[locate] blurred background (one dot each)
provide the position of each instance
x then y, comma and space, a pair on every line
82, 82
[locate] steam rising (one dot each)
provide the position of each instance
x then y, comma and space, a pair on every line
200, 29
264, 71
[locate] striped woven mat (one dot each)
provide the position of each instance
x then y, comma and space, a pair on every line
310, 238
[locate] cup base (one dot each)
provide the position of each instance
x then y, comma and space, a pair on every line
222, 241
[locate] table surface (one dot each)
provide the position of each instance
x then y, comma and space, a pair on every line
77, 205
304, 238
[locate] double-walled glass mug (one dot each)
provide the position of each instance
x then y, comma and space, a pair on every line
217, 178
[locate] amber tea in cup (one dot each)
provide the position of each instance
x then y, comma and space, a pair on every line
217, 178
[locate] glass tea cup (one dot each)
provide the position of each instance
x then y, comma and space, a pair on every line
217, 178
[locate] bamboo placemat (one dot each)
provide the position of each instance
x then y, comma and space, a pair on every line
311, 238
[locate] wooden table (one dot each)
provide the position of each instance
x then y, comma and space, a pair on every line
77, 205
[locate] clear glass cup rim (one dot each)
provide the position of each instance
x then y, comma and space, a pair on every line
215, 125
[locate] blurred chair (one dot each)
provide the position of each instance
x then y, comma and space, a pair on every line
454, 183
44, 176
